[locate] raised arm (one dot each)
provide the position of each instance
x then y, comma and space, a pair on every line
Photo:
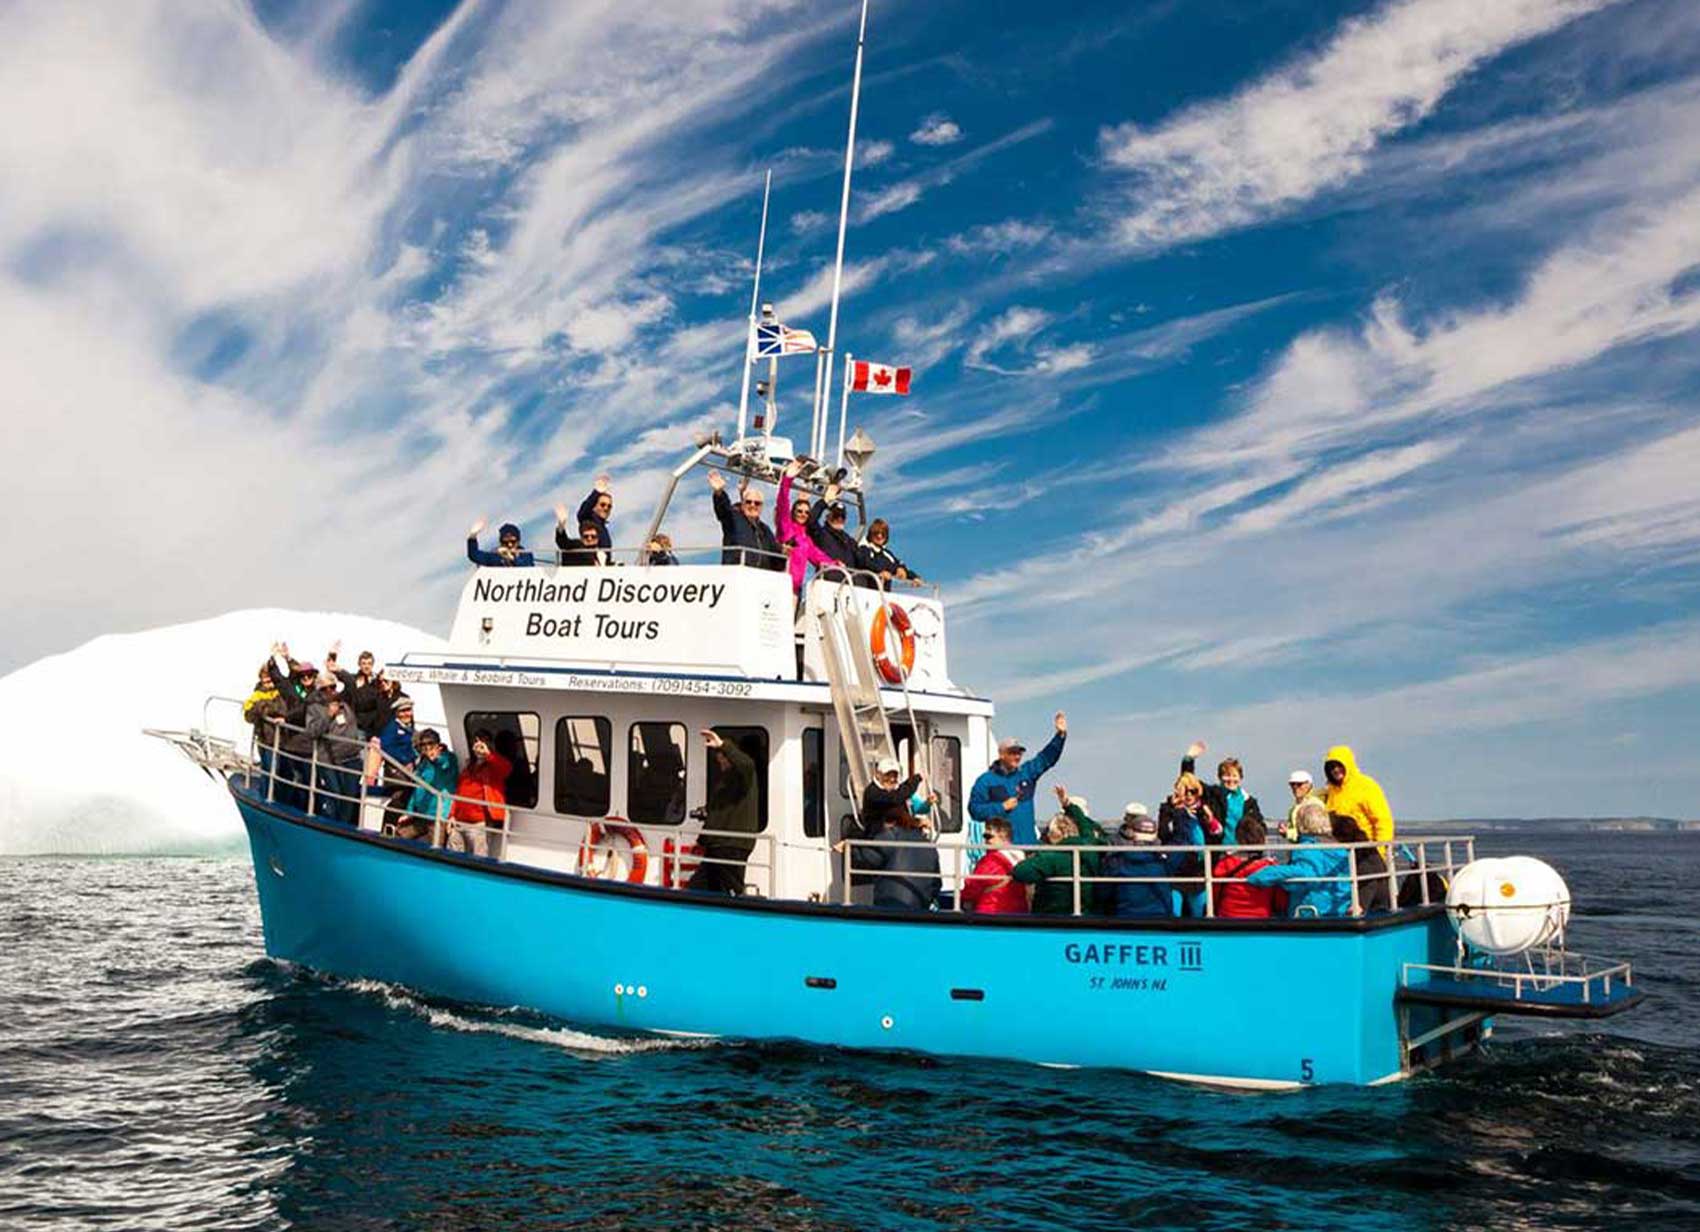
1048, 756
722, 502
782, 507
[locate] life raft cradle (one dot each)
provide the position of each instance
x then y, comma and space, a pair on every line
1550, 982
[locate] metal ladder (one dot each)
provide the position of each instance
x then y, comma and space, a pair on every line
854, 679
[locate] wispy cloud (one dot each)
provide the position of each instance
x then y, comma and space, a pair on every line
937, 129
1309, 126
905, 193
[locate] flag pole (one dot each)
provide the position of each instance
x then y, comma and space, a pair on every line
844, 207
844, 408
755, 301
816, 429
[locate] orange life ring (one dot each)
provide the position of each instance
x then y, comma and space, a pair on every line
894, 667
600, 831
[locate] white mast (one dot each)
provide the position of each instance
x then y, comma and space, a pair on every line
755, 301
825, 398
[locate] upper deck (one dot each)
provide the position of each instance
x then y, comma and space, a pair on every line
690, 628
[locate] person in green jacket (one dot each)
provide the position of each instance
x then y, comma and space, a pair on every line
733, 805
1051, 873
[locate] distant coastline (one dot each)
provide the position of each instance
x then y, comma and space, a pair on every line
1559, 825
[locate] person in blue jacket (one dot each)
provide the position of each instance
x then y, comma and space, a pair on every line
1149, 896
1006, 788
396, 743
437, 768
1316, 876
509, 550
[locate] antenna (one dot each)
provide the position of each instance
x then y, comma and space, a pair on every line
755, 300
825, 398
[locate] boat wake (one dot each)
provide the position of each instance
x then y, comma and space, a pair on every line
499, 1022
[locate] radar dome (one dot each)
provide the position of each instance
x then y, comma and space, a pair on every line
1508, 905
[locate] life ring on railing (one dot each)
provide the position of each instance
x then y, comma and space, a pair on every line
590, 866
894, 656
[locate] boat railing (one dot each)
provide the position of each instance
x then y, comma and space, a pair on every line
1540, 972
711, 554
1431, 860
378, 778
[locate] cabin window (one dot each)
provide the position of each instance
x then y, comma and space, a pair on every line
947, 781
515, 735
814, 782
584, 746
753, 740
655, 774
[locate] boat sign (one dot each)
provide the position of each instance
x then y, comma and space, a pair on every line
734, 621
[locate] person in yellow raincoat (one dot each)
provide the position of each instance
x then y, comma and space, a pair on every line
1356, 795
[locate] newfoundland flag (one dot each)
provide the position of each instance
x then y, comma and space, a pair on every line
866, 378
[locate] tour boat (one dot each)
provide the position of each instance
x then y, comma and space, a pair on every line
599, 679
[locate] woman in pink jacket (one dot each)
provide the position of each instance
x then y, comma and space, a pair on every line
791, 521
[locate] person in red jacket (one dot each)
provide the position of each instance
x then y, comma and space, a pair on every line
479, 796
989, 889
1235, 900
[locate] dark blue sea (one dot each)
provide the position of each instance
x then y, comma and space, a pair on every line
158, 1072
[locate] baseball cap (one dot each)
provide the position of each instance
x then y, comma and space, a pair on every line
1142, 828
886, 765
1299, 776
1010, 744
1133, 808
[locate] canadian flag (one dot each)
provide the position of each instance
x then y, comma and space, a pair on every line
866, 378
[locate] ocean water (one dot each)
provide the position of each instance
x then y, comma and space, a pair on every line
156, 1071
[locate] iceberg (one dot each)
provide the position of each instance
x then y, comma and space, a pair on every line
78, 777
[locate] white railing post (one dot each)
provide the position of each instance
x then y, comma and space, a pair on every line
1352, 877
1422, 869
313, 781
271, 779
1074, 853
1209, 886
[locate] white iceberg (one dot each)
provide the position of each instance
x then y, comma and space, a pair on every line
78, 777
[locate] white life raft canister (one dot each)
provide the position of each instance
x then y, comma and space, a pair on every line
1508, 905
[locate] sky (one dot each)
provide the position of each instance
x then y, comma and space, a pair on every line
1287, 372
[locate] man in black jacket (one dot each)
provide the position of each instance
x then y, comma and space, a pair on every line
360, 690
594, 510
826, 528
748, 540
901, 851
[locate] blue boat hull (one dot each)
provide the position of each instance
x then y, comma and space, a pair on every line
1266, 1004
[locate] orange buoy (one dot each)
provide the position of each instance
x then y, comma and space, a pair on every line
894, 656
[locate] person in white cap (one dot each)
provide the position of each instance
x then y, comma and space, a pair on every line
1299, 781
885, 796
904, 851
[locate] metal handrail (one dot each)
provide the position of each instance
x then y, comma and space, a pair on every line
1206, 879
1604, 975
640, 554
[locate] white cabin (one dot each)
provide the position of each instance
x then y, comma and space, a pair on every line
603, 678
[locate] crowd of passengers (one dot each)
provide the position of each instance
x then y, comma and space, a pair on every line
337, 739
805, 533
1079, 864
340, 740
351, 738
